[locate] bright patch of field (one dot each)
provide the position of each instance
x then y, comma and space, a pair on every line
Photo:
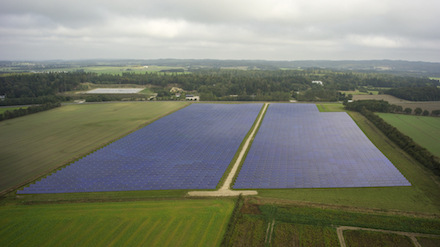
356, 92
377, 239
423, 130
331, 107
114, 91
3, 109
150, 223
34, 143
422, 196
424, 105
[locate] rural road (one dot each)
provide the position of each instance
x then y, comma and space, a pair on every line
225, 190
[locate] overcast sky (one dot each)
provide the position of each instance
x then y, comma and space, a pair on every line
227, 29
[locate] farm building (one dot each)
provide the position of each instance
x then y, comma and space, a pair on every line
2, 97
192, 97
317, 82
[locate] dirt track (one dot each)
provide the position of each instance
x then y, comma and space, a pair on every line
225, 190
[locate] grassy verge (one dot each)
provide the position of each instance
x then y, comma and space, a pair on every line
150, 223
3, 109
422, 196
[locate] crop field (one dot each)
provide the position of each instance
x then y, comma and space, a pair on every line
149, 223
286, 234
110, 69
289, 224
378, 239
424, 105
299, 147
189, 149
423, 130
35, 143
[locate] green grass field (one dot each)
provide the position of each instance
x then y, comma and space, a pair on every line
150, 223
425, 131
35, 143
3, 109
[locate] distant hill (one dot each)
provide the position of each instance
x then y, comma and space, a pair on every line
386, 66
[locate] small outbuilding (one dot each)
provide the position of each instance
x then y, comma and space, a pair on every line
192, 97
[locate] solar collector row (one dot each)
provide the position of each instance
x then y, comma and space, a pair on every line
299, 147
189, 149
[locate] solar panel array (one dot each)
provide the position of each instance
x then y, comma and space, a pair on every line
189, 149
299, 147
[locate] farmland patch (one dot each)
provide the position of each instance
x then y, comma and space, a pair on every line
423, 130
150, 223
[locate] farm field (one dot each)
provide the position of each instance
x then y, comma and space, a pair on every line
367, 238
149, 223
283, 223
38, 142
111, 69
423, 130
424, 105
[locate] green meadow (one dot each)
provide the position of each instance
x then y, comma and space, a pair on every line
3, 109
34, 144
147, 223
424, 130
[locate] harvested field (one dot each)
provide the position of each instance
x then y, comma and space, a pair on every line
424, 105
377, 239
151, 223
286, 234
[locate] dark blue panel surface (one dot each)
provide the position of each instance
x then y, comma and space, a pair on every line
189, 149
299, 147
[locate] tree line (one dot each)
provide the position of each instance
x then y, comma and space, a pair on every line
384, 106
419, 153
26, 111
216, 84
416, 93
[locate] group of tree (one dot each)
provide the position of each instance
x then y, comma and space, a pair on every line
416, 93
384, 106
217, 84
34, 100
419, 153
29, 110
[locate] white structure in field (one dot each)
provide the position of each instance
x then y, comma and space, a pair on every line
317, 82
192, 97
115, 91
146, 67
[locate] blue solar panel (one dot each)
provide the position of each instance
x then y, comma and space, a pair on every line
299, 147
189, 149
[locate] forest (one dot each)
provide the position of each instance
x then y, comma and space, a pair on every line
214, 84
